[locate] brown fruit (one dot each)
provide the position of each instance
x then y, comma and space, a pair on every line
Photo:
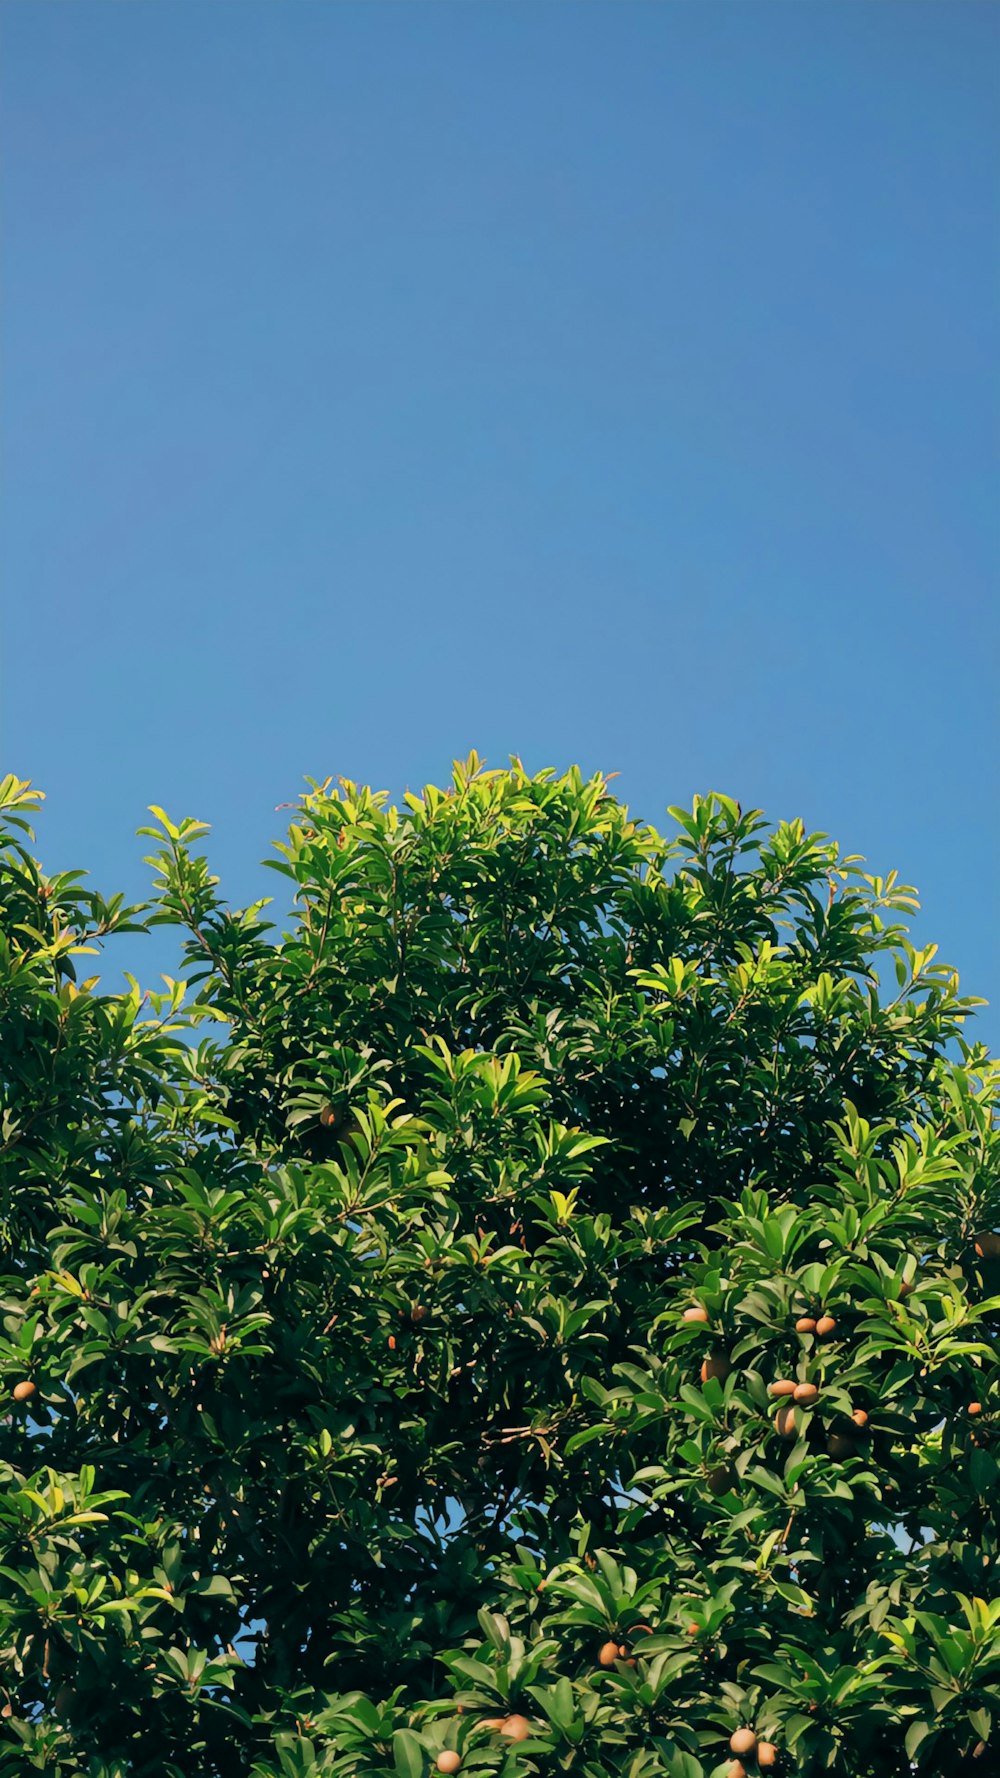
418, 1312
860, 1417
743, 1741
805, 1394
840, 1446
24, 1391
720, 1479
806, 1324
448, 1761
516, 1728
988, 1246
607, 1654
784, 1425
697, 1314
974, 1407
767, 1755
328, 1117
784, 1386
824, 1327
715, 1365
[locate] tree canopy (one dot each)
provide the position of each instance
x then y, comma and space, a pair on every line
530, 1311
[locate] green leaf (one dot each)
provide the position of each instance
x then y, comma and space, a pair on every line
408, 1754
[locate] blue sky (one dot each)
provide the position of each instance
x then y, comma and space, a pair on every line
608, 382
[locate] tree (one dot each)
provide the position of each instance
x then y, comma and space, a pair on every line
537, 1314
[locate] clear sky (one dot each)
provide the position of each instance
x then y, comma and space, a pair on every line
608, 382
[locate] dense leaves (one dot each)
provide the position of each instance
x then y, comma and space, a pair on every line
537, 1314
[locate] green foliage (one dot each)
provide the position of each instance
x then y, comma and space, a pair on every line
350, 1402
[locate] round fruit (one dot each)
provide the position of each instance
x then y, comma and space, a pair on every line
715, 1365
736, 1769
607, 1654
841, 1447
448, 1761
974, 1407
784, 1423
418, 1312
516, 1728
767, 1754
692, 1629
494, 1723
328, 1117
860, 1417
805, 1394
720, 1479
988, 1246
696, 1314
743, 1741
784, 1386
824, 1327
24, 1391
805, 1324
